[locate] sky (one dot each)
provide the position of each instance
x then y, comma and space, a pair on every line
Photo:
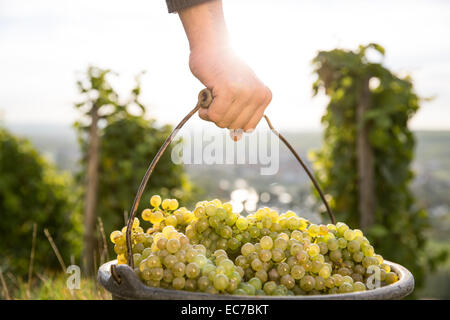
46, 45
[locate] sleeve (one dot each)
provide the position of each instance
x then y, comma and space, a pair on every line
176, 5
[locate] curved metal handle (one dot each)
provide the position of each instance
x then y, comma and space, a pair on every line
205, 98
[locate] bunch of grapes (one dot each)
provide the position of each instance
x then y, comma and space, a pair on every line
214, 250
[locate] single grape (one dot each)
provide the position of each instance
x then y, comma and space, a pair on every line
221, 282
307, 283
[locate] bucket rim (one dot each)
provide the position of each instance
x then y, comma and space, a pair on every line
131, 288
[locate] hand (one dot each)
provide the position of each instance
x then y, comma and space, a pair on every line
240, 98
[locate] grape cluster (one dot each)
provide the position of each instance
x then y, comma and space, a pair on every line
212, 249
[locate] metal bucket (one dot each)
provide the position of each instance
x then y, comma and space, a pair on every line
123, 283
131, 288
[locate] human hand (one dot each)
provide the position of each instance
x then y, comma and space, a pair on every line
240, 98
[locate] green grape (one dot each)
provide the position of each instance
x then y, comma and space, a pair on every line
153, 261
228, 265
168, 275
137, 258
266, 243
265, 255
329, 282
211, 210
313, 230
221, 282
292, 261
161, 243
347, 279
190, 285
349, 235
288, 281
297, 272
247, 249
345, 287
170, 260
325, 271
319, 283
281, 243
256, 283
359, 286
319, 258
200, 260
153, 283
233, 244
178, 283
358, 256
225, 232
357, 277
242, 223
256, 264
156, 274
302, 257
262, 275
248, 288
359, 269
211, 290
391, 277
338, 279
313, 250
283, 269
342, 243
367, 250
307, 265
221, 213
297, 235
307, 283
323, 248
277, 255
269, 287
240, 292
179, 269
336, 256
295, 249
344, 271
385, 267
341, 228
254, 231
273, 275
192, 270
316, 266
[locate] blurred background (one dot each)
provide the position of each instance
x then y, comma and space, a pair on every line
72, 88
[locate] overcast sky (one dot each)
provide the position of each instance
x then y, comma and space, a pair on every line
46, 44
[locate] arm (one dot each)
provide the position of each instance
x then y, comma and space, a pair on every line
240, 98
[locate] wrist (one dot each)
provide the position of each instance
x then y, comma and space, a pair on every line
205, 27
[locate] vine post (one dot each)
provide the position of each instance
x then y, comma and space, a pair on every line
365, 159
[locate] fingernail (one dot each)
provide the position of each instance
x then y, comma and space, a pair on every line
236, 135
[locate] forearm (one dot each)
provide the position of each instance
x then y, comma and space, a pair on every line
205, 26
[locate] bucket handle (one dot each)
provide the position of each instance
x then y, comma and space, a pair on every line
205, 97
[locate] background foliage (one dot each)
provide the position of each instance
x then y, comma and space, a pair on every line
128, 143
31, 191
400, 226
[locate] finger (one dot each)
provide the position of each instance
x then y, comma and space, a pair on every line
219, 108
254, 120
244, 117
236, 107
236, 135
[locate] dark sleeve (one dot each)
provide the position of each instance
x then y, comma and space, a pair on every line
175, 5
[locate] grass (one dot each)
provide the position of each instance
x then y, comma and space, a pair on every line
53, 286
